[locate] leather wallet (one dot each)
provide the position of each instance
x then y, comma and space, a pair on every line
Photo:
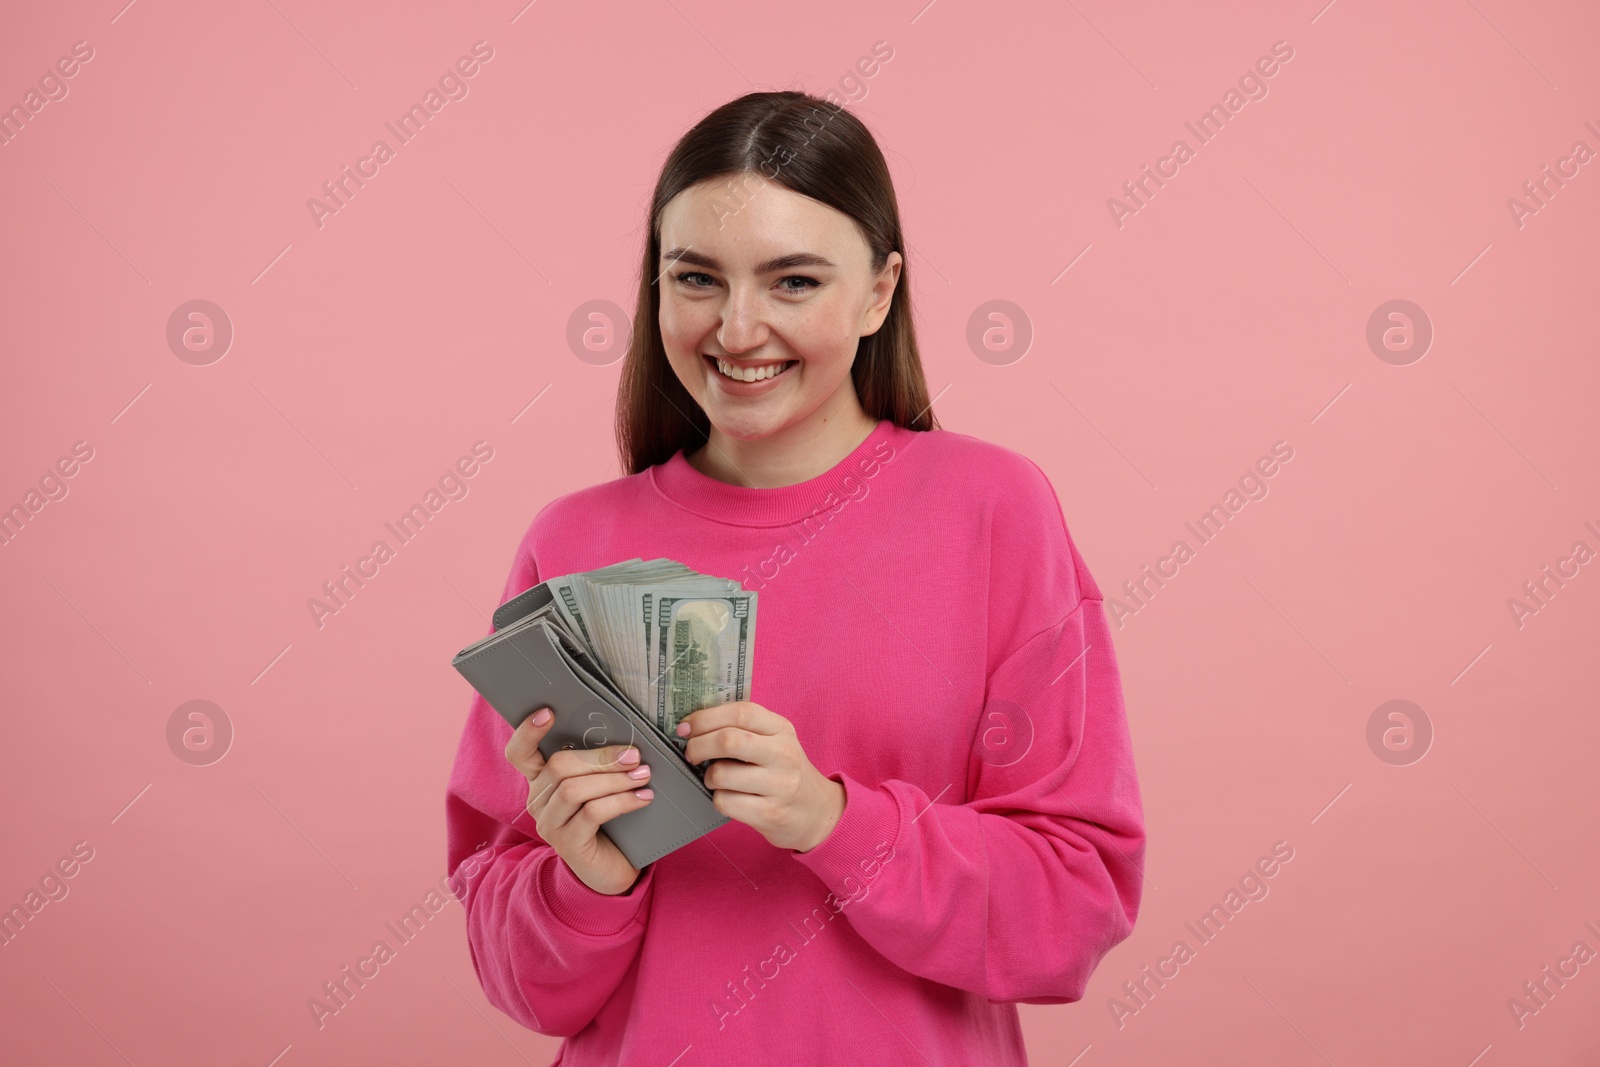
527, 663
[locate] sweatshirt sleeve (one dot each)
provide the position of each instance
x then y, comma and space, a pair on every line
548, 950
1020, 891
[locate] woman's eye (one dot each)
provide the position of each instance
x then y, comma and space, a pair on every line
684, 278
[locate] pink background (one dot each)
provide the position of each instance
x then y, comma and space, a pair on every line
1227, 314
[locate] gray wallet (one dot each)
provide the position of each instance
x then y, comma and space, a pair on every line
528, 663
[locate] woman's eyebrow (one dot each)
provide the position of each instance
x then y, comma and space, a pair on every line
793, 259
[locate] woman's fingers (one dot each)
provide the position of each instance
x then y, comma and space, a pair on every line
522, 751
573, 792
737, 777
733, 742
745, 714
570, 765
587, 800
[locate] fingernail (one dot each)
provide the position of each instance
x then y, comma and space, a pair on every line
541, 716
683, 729
644, 794
639, 772
629, 756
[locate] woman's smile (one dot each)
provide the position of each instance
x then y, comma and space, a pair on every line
748, 379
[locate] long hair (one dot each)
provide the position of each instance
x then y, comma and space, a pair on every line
819, 150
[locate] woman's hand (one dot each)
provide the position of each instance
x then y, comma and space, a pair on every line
762, 777
573, 792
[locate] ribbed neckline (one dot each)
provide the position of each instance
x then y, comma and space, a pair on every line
739, 505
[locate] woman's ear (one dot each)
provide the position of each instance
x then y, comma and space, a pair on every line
883, 288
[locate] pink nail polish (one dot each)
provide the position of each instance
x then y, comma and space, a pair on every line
639, 772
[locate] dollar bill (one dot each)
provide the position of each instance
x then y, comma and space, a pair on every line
668, 638
705, 653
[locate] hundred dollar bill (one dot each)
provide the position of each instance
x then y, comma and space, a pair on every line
643, 605
704, 648
572, 602
613, 597
668, 639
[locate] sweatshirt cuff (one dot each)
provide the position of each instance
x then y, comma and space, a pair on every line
871, 819
589, 911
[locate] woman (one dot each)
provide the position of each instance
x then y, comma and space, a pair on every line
934, 807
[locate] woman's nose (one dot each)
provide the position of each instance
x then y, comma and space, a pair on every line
742, 328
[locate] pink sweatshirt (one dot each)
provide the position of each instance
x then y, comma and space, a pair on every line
928, 626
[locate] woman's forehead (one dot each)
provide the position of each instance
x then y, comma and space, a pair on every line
710, 226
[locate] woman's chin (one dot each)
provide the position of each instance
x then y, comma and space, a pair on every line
746, 425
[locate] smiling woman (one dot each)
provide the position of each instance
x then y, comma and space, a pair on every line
785, 322
772, 369
764, 350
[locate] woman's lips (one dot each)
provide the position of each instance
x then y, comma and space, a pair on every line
736, 387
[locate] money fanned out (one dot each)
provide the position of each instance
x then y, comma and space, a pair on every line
666, 638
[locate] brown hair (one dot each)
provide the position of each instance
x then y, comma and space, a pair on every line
819, 150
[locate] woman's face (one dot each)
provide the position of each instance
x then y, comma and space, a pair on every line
764, 279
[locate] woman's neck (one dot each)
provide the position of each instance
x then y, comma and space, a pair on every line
792, 455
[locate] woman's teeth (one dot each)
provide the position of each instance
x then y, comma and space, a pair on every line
753, 374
